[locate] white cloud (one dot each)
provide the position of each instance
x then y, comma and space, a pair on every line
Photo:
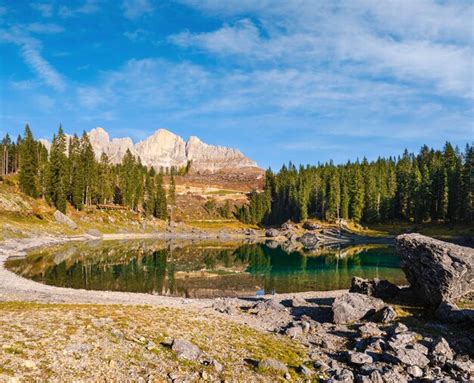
30, 50
136, 35
45, 9
425, 43
89, 7
133, 9
46, 28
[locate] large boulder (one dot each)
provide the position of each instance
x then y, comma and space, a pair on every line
64, 220
351, 307
272, 233
438, 271
382, 289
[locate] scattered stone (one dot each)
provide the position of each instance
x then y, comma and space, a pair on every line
117, 333
225, 305
309, 240
294, 332
273, 364
350, 307
441, 351
382, 289
411, 357
78, 348
448, 312
64, 220
415, 371
185, 350
267, 306
272, 233
438, 271
288, 225
386, 315
397, 329
218, 367
344, 376
359, 358
311, 226
370, 329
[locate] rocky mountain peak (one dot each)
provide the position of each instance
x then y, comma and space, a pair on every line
166, 149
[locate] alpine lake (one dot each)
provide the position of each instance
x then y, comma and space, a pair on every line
205, 269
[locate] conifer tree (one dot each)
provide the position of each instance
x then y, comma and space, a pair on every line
57, 185
172, 189
28, 173
161, 205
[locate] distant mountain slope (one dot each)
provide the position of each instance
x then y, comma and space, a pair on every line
166, 149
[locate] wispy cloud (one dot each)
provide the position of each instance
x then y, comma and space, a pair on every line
87, 8
133, 9
45, 9
47, 28
138, 34
422, 42
30, 49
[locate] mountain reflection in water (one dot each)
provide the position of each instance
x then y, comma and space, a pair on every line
205, 269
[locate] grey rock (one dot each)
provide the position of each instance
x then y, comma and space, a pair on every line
438, 271
397, 329
309, 240
370, 329
294, 332
415, 371
273, 364
288, 225
344, 376
225, 305
351, 307
267, 306
272, 233
386, 315
311, 226
218, 367
378, 288
64, 220
411, 357
185, 350
359, 358
77, 348
117, 333
305, 371
95, 233
448, 312
441, 351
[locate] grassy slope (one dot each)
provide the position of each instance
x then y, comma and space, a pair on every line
41, 332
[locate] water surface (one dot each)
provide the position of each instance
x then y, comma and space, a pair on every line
205, 269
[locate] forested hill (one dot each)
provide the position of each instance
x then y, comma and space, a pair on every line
434, 185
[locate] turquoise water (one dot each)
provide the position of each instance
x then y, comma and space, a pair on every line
205, 269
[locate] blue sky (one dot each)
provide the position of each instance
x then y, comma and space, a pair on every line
297, 80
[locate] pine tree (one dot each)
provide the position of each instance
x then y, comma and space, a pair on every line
161, 205
57, 185
28, 173
172, 189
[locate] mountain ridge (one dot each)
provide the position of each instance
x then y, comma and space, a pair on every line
164, 149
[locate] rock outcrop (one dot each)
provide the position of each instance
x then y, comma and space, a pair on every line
166, 149
352, 307
64, 220
437, 271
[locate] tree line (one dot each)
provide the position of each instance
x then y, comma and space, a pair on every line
433, 185
70, 172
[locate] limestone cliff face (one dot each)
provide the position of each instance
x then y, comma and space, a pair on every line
212, 158
166, 149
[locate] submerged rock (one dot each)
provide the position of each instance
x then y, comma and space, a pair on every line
438, 271
309, 240
351, 307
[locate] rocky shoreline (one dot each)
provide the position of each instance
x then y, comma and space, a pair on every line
376, 332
